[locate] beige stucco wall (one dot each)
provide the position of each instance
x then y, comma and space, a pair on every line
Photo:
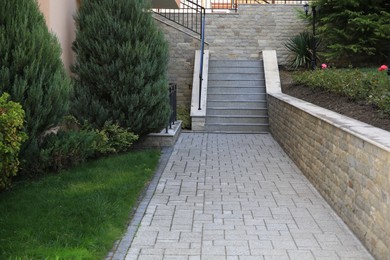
59, 19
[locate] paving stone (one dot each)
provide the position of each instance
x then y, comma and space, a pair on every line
300, 255
250, 202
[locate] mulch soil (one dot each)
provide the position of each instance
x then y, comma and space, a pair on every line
340, 104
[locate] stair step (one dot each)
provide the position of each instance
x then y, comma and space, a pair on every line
236, 63
237, 104
239, 77
234, 119
247, 128
236, 91
236, 97
233, 70
235, 83
222, 111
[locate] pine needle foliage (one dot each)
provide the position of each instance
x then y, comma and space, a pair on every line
355, 29
121, 66
31, 70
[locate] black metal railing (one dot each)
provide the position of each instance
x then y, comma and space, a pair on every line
233, 4
173, 104
189, 15
202, 39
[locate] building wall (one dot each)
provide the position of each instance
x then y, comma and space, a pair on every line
346, 160
59, 19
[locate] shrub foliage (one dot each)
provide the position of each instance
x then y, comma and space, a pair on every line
183, 114
31, 71
68, 148
121, 66
11, 137
354, 29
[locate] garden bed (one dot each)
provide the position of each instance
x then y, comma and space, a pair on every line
358, 110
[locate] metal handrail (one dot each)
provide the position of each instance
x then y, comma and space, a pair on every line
233, 4
201, 57
189, 15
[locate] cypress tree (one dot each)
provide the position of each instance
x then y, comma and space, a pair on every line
121, 66
31, 70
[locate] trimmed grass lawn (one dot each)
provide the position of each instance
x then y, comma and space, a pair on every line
77, 214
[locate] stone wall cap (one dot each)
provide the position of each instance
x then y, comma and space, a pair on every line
369, 133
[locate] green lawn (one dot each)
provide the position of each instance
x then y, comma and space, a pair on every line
77, 214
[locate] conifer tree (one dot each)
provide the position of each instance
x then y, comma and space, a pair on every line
121, 66
31, 70
354, 29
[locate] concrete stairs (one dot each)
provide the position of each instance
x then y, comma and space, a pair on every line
236, 97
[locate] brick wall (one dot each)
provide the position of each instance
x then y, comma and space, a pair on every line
240, 35
253, 28
346, 160
182, 47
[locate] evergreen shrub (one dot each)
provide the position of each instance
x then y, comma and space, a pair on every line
32, 72
65, 149
121, 66
11, 137
115, 139
354, 31
184, 114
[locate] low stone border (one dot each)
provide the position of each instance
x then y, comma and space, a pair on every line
162, 139
121, 247
348, 161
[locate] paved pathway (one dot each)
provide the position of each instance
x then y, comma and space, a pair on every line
236, 197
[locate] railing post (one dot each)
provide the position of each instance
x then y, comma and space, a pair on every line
314, 54
203, 18
175, 105
172, 102
388, 62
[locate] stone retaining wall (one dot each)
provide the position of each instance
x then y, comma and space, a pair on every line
240, 35
253, 28
182, 47
346, 160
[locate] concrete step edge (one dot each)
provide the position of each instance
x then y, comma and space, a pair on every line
236, 124
236, 108
237, 116
236, 132
234, 101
